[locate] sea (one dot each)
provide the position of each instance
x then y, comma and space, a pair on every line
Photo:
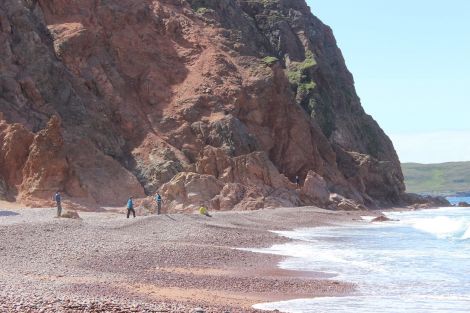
456, 200
419, 263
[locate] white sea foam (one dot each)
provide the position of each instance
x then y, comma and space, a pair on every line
444, 227
450, 223
368, 218
304, 234
420, 261
466, 235
371, 304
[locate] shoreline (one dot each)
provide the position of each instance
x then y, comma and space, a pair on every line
173, 262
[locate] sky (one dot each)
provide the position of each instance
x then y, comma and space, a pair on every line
411, 64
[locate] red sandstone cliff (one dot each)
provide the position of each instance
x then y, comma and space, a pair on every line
216, 102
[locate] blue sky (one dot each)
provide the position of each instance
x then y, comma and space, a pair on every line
411, 64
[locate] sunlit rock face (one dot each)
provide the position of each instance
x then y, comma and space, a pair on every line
219, 103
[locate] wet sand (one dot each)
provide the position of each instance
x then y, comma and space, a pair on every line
104, 262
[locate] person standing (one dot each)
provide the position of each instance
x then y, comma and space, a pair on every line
58, 200
130, 207
159, 200
297, 181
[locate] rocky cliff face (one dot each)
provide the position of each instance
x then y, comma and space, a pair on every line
215, 102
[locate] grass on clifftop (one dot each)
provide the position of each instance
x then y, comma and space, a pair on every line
437, 179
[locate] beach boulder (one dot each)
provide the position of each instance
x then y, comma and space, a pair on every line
381, 218
187, 191
45, 169
315, 189
15, 142
339, 202
70, 214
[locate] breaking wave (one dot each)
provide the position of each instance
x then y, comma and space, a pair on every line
444, 227
415, 264
455, 224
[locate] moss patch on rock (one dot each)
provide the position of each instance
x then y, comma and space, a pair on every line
203, 10
270, 60
306, 87
297, 72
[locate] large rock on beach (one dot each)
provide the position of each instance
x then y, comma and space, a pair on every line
315, 189
70, 214
381, 218
338, 202
416, 201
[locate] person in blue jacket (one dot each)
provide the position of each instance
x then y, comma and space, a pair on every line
159, 200
130, 207
58, 200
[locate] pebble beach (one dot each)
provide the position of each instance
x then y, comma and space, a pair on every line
104, 262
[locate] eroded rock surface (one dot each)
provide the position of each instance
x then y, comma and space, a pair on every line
220, 103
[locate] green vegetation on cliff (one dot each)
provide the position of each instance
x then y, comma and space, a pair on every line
270, 61
297, 72
439, 179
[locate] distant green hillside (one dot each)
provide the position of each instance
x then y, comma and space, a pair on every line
442, 179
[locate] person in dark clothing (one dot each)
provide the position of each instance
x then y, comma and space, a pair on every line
130, 207
58, 200
159, 200
297, 181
